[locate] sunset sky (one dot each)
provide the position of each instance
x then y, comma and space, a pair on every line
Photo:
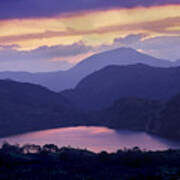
48, 35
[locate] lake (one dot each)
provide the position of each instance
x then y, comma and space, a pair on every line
93, 138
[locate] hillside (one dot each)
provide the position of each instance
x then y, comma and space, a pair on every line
102, 88
132, 114
61, 80
169, 119
26, 107
156, 117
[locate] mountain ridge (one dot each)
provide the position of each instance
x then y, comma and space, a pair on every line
26, 107
100, 89
61, 80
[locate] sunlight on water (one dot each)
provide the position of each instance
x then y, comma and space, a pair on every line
93, 138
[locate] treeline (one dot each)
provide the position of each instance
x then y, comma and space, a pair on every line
50, 162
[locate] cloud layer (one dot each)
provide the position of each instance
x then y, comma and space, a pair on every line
92, 28
53, 58
47, 35
62, 57
46, 8
164, 47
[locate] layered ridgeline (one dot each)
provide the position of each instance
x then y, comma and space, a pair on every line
27, 107
100, 89
62, 80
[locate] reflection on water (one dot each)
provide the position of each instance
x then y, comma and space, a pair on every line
93, 138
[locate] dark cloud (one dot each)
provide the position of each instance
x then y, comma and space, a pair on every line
46, 8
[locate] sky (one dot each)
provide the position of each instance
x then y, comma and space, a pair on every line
51, 35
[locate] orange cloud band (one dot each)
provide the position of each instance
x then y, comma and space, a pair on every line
93, 28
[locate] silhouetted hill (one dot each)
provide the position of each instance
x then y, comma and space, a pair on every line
169, 119
25, 107
102, 88
50, 79
131, 114
10, 90
156, 117
62, 80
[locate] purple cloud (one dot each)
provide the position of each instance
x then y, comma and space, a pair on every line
41, 59
45, 8
44, 52
130, 39
165, 47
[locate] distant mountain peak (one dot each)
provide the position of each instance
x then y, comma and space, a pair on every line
62, 80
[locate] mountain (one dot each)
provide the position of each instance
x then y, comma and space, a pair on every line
156, 117
102, 88
27, 107
61, 80
50, 80
129, 113
169, 119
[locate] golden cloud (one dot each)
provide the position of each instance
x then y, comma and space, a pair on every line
93, 27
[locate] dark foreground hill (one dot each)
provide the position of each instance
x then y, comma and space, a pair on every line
102, 88
51, 163
26, 107
169, 119
156, 117
129, 113
61, 80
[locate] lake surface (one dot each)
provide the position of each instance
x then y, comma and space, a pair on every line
93, 138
